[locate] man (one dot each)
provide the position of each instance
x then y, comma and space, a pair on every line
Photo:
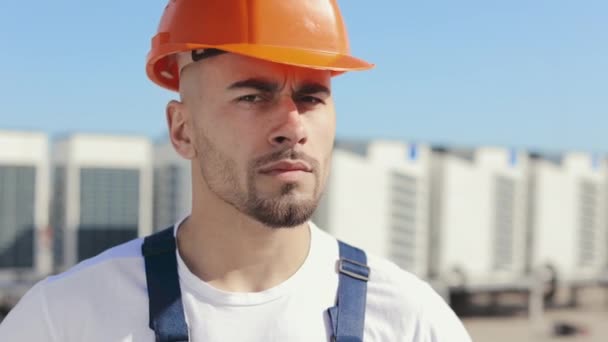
256, 118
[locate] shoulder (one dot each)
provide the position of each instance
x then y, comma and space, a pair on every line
90, 292
402, 302
118, 273
31, 311
120, 259
392, 288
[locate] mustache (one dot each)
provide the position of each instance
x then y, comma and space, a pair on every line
289, 154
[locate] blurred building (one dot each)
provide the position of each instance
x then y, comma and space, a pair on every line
482, 218
172, 186
377, 198
479, 215
102, 194
24, 190
568, 217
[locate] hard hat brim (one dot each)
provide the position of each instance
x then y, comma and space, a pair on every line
337, 63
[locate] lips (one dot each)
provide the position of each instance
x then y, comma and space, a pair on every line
286, 166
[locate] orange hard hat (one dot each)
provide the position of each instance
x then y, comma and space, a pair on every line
307, 33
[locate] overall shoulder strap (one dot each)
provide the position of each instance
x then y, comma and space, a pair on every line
348, 316
167, 317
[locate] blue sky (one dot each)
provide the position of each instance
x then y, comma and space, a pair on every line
520, 73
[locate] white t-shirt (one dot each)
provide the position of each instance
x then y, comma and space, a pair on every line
104, 299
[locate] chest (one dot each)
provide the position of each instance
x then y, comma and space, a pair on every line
288, 318
284, 319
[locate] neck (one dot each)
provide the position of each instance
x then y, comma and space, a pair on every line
233, 252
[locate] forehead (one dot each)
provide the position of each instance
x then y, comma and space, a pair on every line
229, 67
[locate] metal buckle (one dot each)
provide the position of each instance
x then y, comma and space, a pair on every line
341, 268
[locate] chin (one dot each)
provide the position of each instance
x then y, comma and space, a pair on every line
283, 212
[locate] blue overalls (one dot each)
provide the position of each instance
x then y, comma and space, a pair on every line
167, 317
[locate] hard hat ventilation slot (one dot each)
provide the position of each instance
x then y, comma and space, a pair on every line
166, 75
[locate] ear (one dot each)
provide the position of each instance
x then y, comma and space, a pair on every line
180, 129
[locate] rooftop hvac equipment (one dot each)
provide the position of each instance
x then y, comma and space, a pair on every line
102, 194
478, 218
377, 198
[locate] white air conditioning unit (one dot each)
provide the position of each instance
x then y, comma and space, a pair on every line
25, 235
377, 198
568, 225
478, 218
102, 194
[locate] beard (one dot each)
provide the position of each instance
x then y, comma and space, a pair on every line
281, 211
286, 208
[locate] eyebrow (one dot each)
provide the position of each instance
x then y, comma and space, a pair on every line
255, 83
309, 88
260, 84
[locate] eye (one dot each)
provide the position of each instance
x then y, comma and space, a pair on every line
311, 100
251, 98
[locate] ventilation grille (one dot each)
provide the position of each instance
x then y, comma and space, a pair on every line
504, 209
403, 219
588, 224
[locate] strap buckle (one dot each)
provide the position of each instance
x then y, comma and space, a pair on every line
354, 269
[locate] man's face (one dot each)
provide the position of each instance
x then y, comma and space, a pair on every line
263, 134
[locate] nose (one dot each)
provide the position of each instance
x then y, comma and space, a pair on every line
290, 129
